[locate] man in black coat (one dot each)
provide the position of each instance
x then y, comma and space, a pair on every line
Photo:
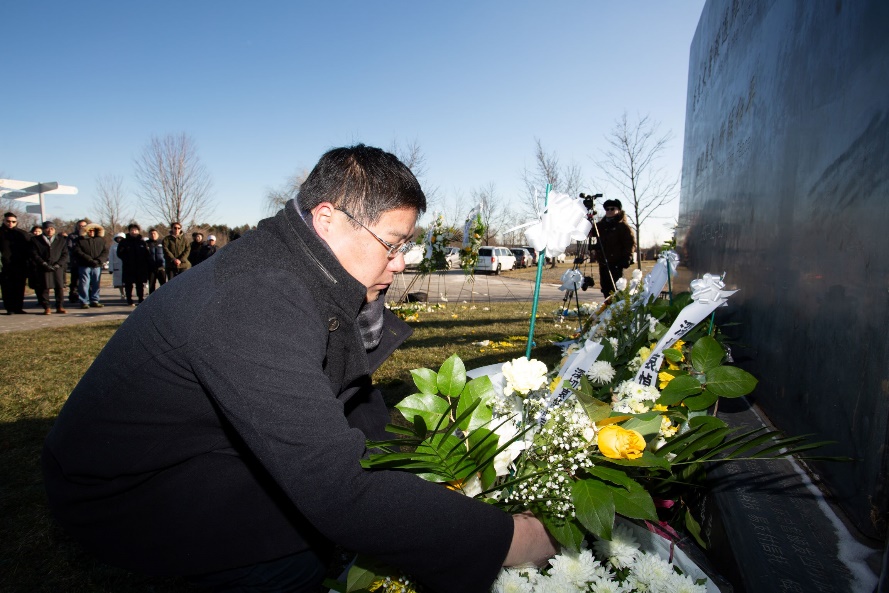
157, 275
50, 256
136, 263
219, 433
15, 256
91, 252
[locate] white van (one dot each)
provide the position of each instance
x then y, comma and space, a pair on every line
495, 259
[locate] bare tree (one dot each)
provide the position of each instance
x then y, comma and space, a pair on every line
277, 197
492, 210
630, 163
110, 205
547, 170
412, 155
175, 185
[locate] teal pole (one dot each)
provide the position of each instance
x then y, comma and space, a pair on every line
540, 262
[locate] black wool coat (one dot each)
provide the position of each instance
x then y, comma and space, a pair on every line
45, 254
135, 257
224, 423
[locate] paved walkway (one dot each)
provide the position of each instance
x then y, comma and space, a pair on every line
451, 286
115, 309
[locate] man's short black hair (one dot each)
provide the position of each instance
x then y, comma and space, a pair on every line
134, 226
365, 181
8, 214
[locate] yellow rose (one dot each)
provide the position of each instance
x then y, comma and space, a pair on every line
619, 443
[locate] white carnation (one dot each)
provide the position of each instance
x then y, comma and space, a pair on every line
637, 274
523, 376
620, 284
601, 372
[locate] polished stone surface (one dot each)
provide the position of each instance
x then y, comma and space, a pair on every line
784, 188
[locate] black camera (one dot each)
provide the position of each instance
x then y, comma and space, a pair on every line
589, 202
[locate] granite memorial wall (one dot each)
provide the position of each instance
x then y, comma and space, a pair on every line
785, 188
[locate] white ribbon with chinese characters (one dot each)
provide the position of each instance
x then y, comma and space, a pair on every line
707, 294
577, 364
656, 279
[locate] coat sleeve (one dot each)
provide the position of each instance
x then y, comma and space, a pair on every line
264, 369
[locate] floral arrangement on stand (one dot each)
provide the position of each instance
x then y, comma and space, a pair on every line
437, 238
595, 448
472, 239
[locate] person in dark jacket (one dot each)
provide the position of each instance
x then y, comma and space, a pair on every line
50, 256
195, 255
219, 433
209, 248
73, 266
157, 275
615, 246
176, 251
15, 259
91, 252
135, 258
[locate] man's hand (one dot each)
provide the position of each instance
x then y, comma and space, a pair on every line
177, 262
531, 542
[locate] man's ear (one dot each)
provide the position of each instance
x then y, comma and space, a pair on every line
322, 219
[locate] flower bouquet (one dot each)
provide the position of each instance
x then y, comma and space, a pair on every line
605, 435
472, 239
437, 238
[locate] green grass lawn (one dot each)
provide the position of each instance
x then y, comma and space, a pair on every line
40, 368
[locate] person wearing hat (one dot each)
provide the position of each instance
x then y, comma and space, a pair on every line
208, 248
50, 258
615, 245
136, 260
91, 253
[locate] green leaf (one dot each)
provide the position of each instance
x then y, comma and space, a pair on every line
334, 585
707, 439
729, 381
481, 388
615, 476
694, 528
594, 506
452, 377
567, 533
648, 459
480, 414
706, 354
425, 380
678, 389
607, 353
420, 428
635, 502
659, 308
672, 354
363, 573
701, 402
648, 427
430, 407
595, 409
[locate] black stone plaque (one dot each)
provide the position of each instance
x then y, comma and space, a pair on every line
784, 188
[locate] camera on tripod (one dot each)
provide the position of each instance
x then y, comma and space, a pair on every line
589, 202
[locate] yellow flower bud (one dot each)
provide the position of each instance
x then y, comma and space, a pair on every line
619, 443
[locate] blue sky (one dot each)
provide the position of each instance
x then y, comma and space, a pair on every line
264, 88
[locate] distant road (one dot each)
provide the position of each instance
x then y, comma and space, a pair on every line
454, 286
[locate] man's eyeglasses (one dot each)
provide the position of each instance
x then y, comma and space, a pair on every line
393, 250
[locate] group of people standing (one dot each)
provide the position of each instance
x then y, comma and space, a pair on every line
42, 257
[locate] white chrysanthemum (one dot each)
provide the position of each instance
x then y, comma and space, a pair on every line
637, 274
679, 583
523, 375
555, 584
620, 284
511, 581
576, 567
648, 572
606, 585
614, 343
601, 372
622, 550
